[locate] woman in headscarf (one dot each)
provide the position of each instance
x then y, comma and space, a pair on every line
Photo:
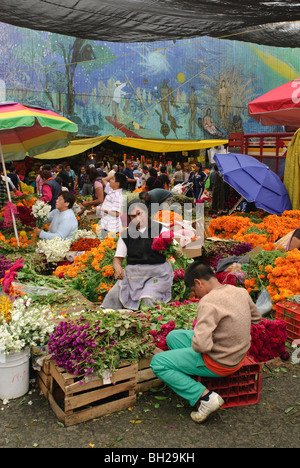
147, 277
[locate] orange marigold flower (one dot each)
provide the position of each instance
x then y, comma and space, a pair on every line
107, 271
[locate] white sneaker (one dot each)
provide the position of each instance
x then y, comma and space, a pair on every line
207, 407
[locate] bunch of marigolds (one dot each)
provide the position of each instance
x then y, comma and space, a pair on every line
264, 233
92, 272
277, 272
5, 309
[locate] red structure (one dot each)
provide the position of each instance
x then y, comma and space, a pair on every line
268, 148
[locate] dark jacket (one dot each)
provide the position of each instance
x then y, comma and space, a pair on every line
139, 245
56, 190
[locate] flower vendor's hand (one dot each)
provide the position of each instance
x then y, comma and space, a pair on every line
119, 272
38, 231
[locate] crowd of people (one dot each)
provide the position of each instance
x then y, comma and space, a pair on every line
100, 184
218, 345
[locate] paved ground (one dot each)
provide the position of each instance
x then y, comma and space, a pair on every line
164, 422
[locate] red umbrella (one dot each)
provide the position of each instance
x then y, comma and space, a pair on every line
280, 106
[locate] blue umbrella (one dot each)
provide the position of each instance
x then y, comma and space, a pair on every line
254, 181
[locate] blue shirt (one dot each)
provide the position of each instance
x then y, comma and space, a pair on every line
128, 173
63, 224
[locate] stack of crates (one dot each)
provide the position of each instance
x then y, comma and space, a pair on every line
239, 389
290, 312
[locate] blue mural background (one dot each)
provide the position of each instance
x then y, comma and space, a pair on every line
188, 89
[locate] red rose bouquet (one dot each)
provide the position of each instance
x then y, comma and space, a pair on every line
268, 339
164, 243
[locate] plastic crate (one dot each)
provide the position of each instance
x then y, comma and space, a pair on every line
290, 313
239, 389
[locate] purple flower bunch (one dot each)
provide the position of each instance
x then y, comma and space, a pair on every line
99, 341
220, 250
73, 346
5, 265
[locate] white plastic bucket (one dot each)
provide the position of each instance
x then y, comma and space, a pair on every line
14, 374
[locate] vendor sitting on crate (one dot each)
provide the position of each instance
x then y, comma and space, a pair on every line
217, 346
147, 277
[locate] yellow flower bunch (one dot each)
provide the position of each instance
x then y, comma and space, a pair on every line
5, 309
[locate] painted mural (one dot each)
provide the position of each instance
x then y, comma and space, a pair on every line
188, 89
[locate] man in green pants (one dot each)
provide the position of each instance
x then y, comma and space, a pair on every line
217, 346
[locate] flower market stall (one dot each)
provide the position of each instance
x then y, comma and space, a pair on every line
59, 286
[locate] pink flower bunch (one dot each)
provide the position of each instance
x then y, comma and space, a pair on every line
162, 241
268, 339
178, 274
160, 337
7, 215
11, 275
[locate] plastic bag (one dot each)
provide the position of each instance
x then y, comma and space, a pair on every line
264, 303
36, 290
177, 189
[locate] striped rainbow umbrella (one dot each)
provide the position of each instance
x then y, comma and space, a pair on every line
30, 131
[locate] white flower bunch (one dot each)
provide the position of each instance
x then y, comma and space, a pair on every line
41, 211
55, 249
80, 233
29, 326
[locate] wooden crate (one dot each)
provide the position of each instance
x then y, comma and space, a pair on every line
43, 377
146, 379
74, 400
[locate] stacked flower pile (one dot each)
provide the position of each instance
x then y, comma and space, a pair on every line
84, 244
54, 249
264, 231
166, 317
24, 205
24, 326
284, 276
92, 273
167, 217
214, 251
98, 341
10, 244
5, 309
226, 227
268, 340
277, 272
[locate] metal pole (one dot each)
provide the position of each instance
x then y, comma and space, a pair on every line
9, 197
